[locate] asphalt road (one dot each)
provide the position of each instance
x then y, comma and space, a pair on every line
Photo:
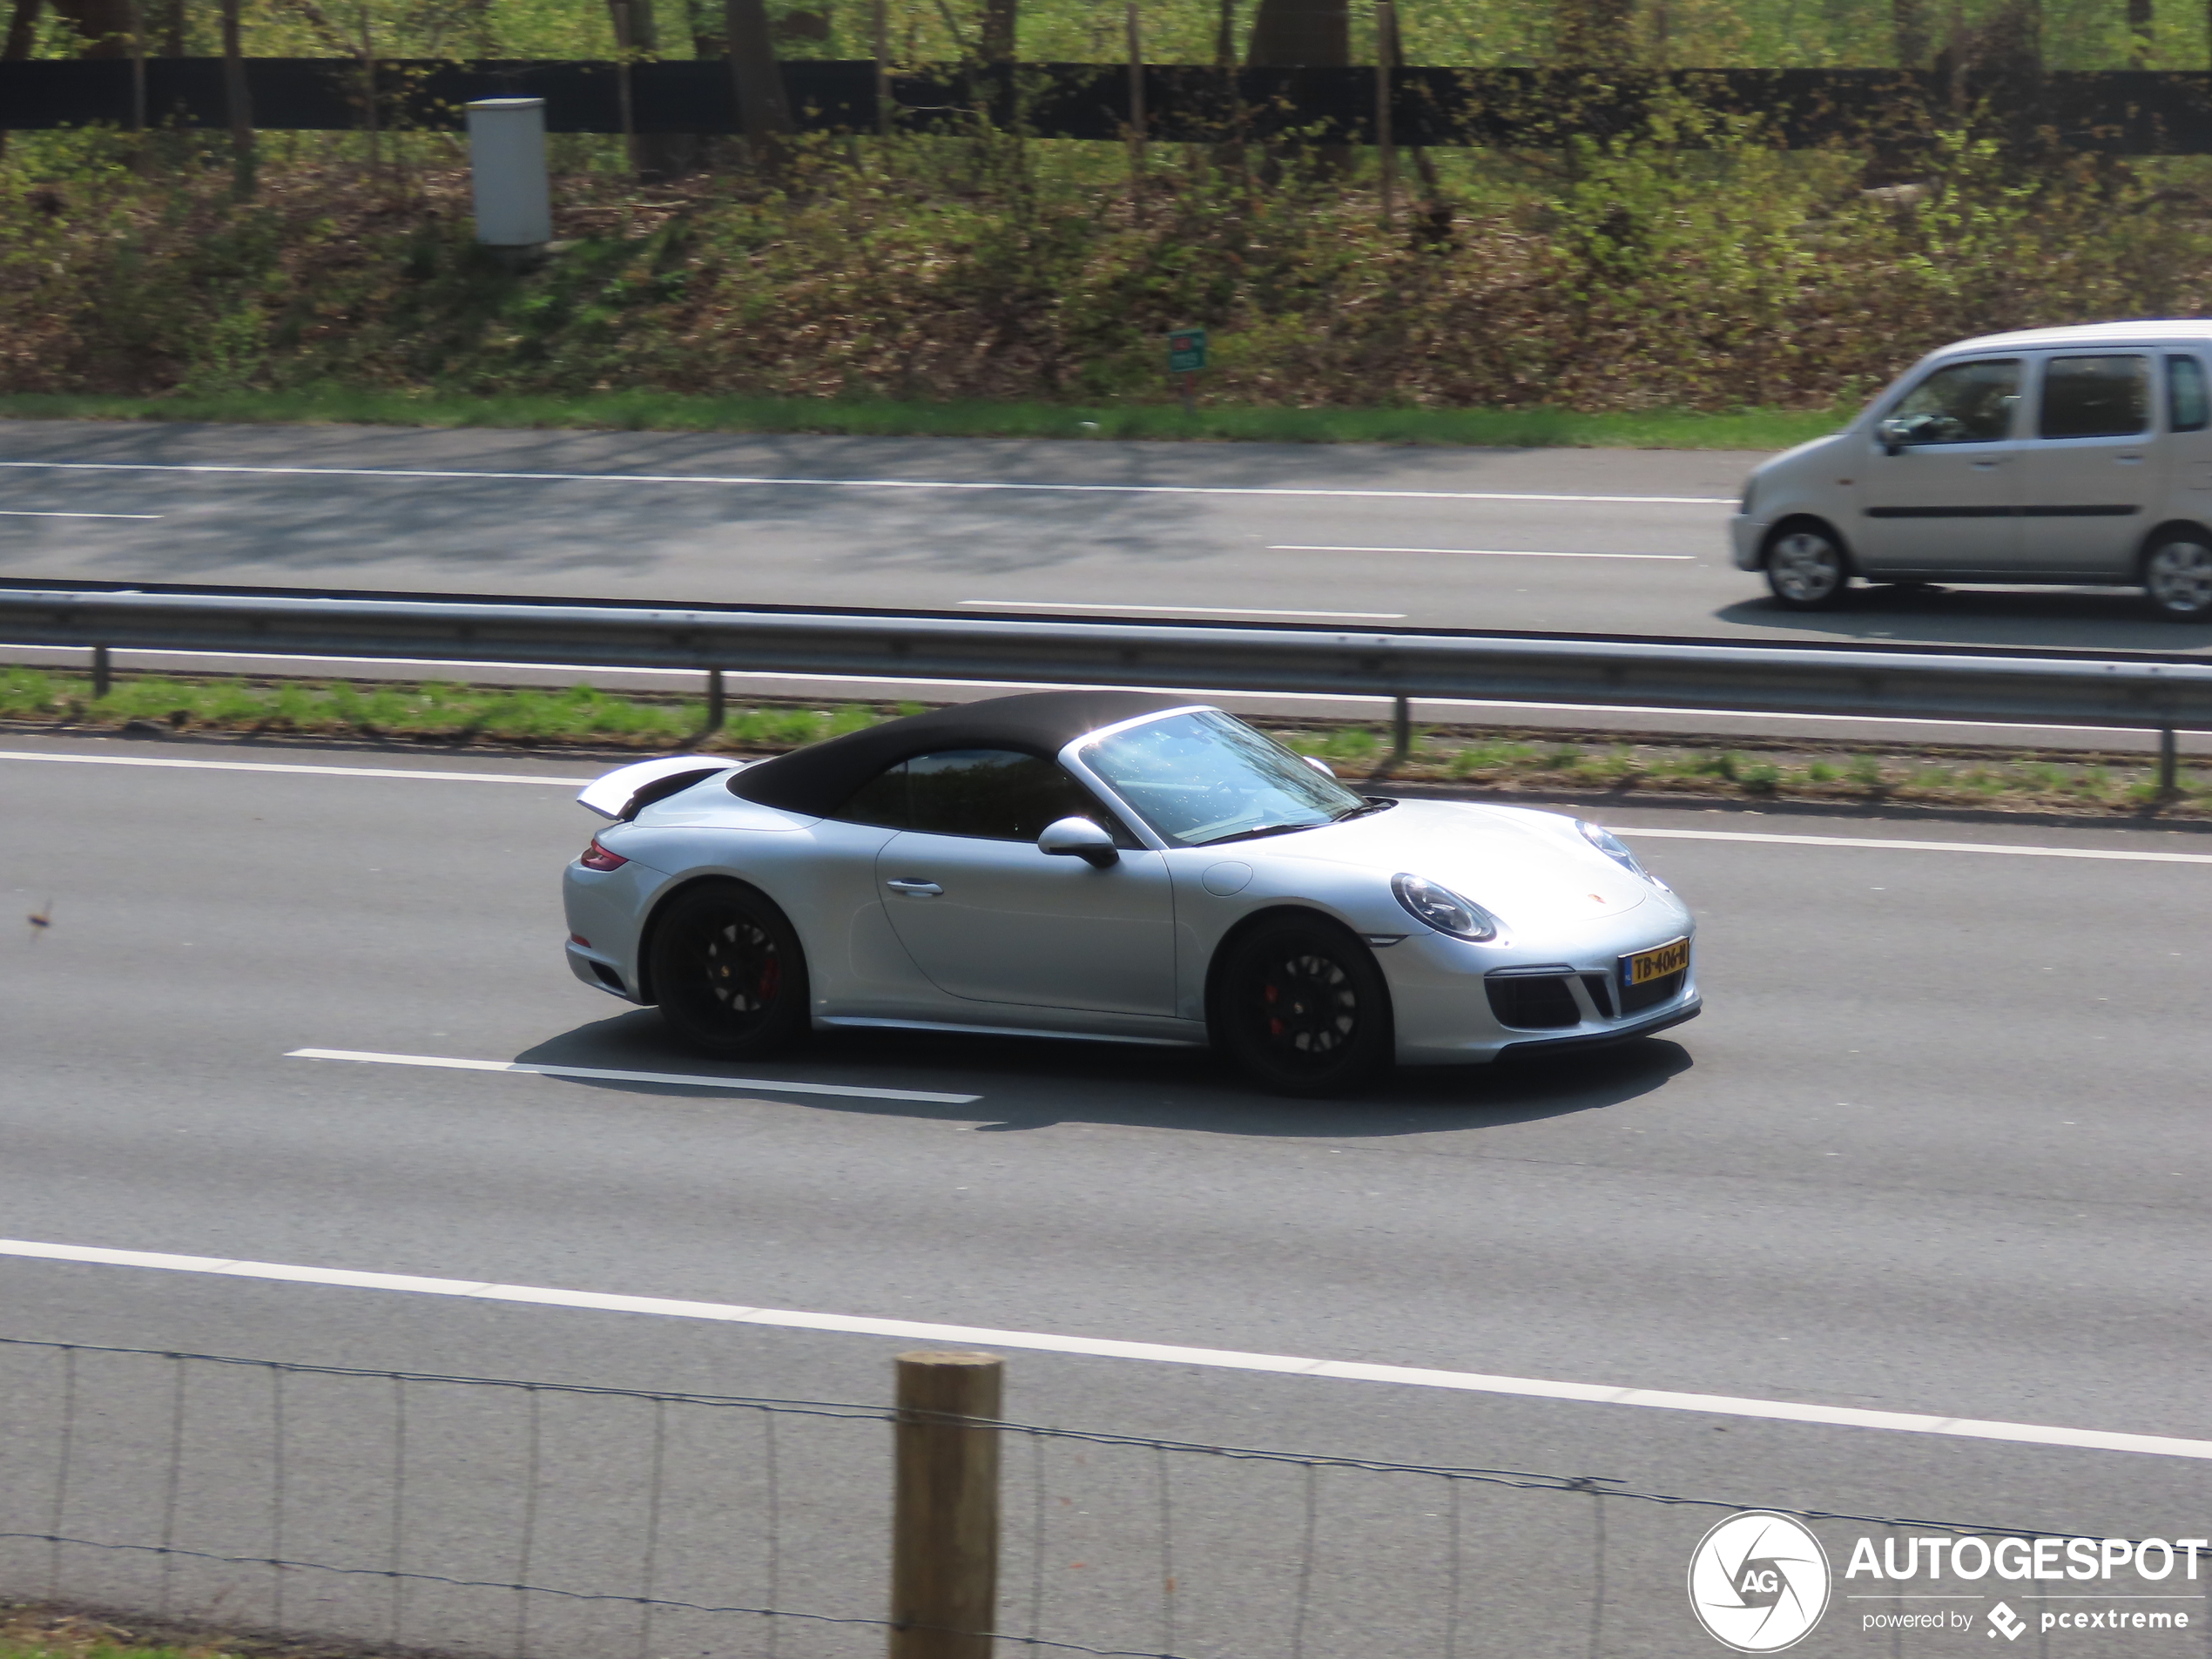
1935, 1147
1617, 541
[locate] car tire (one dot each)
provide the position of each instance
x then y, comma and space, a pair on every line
2177, 576
1302, 1009
729, 973
1806, 569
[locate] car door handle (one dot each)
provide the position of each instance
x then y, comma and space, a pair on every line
2129, 460
913, 887
1984, 466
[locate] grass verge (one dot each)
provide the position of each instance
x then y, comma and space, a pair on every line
1485, 759
653, 411
41, 1631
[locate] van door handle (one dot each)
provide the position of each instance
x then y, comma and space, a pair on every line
913, 887
1984, 466
2125, 459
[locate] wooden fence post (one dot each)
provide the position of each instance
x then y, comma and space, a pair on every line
945, 1519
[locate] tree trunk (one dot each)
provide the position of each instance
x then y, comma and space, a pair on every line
1304, 34
1293, 34
1909, 29
104, 26
2140, 34
759, 83
653, 155
1000, 18
238, 106
23, 28
705, 20
1596, 34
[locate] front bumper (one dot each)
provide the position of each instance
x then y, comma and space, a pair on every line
1445, 1014
1689, 1009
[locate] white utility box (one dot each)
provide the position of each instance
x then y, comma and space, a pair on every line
507, 162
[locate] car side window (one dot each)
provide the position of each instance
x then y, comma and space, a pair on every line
881, 800
2095, 397
1967, 402
2187, 408
994, 794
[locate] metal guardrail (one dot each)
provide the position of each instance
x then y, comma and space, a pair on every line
2163, 696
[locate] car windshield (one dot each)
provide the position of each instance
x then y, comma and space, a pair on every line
1207, 776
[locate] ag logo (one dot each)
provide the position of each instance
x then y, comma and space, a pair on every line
1758, 1583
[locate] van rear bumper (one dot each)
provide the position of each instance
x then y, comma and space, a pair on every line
1745, 535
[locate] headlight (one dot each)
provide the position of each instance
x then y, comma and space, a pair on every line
1609, 844
1442, 908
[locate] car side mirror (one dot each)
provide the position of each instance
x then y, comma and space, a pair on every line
1078, 838
1895, 433
1320, 766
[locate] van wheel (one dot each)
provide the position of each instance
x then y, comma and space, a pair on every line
1806, 570
2177, 574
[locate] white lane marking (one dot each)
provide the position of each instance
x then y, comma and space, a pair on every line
1483, 552
24, 512
684, 1079
1179, 611
1922, 847
268, 765
1670, 834
1159, 1353
857, 483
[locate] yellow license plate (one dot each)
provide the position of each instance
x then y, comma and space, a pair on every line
1656, 963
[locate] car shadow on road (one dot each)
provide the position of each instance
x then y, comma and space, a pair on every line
1032, 1083
2022, 619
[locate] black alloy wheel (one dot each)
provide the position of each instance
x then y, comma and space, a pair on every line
728, 972
1303, 1008
1806, 569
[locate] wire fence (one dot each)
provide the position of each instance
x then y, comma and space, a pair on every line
553, 1521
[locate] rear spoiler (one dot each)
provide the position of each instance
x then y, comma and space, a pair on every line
626, 791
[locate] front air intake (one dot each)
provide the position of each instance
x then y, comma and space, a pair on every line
1533, 999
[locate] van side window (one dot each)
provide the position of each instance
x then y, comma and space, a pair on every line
2187, 408
2095, 397
1963, 403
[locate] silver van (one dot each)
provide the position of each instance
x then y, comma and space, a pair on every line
2077, 456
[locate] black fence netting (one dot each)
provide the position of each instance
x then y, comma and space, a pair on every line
2126, 111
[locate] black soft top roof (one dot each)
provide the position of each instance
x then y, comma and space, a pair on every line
821, 777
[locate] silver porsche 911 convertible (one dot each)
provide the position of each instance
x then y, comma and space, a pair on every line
1115, 865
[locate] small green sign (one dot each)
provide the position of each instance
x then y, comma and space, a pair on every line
1186, 350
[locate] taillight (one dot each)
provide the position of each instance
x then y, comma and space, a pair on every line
596, 856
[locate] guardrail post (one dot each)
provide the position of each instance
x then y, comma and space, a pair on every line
945, 1518
103, 673
717, 706
1401, 728
2169, 762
